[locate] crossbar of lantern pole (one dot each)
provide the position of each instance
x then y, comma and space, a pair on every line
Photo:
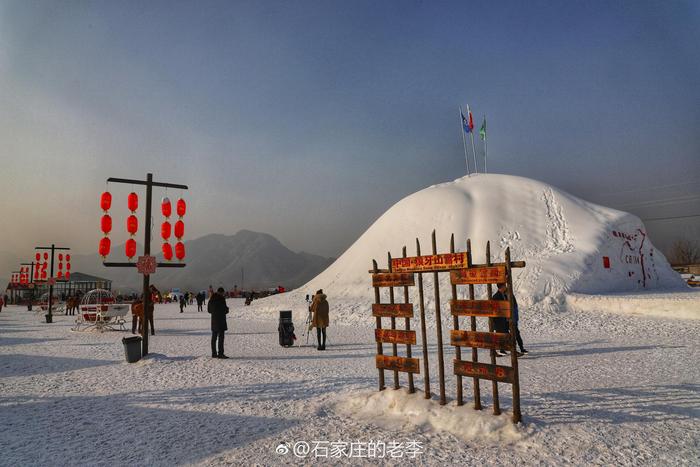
133, 265
50, 248
146, 183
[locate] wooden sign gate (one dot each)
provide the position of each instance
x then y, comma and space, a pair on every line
401, 272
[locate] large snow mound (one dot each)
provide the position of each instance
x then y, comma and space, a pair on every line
569, 245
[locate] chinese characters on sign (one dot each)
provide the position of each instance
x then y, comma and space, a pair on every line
482, 275
442, 262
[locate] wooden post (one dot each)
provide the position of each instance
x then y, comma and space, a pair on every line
380, 348
455, 322
441, 358
424, 336
517, 416
394, 346
494, 384
475, 352
411, 386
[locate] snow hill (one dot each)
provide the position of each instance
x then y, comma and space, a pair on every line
570, 245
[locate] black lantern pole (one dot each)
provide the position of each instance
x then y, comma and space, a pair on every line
53, 248
149, 184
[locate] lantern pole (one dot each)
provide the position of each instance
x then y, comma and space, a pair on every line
31, 281
149, 183
53, 248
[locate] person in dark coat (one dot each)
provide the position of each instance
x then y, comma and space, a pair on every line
319, 308
218, 310
200, 301
501, 324
183, 303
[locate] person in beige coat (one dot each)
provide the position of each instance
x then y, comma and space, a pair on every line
319, 308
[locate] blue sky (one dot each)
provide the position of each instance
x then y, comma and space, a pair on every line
307, 120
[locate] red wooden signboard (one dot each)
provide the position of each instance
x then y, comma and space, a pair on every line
392, 310
482, 340
502, 374
430, 263
395, 336
391, 279
146, 264
486, 308
479, 275
407, 365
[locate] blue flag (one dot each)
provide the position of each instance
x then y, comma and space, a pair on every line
465, 123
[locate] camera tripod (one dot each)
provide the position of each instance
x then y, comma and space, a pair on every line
309, 319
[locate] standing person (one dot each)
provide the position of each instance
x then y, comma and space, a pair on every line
319, 308
2, 302
502, 325
200, 301
183, 302
211, 292
218, 310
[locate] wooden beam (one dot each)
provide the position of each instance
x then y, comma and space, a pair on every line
502, 374
479, 275
482, 340
485, 308
394, 336
392, 280
407, 365
389, 310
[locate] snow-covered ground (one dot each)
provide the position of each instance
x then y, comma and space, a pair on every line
597, 388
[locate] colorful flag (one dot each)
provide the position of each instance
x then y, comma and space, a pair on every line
471, 122
465, 122
482, 131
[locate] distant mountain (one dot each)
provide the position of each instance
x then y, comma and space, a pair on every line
247, 259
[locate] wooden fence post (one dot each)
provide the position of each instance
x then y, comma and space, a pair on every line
411, 386
380, 348
438, 319
424, 335
494, 384
455, 322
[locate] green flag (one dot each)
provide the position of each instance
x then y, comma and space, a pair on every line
482, 130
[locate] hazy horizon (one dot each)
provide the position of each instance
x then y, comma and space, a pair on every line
307, 121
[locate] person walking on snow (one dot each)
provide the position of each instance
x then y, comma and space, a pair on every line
319, 308
200, 301
218, 310
502, 325
183, 303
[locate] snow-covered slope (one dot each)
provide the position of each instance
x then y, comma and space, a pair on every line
570, 245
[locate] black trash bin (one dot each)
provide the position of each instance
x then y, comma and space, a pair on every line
132, 348
286, 329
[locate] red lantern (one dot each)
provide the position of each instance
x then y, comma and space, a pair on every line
181, 207
60, 266
180, 250
67, 275
43, 275
38, 256
46, 256
106, 201
165, 230
105, 224
132, 224
60, 274
36, 274
167, 251
105, 246
67, 266
179, 229
130, 248
133, 202
60, 256
166, 208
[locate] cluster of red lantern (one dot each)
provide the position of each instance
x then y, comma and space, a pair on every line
132, 224
40, 267
106, 225
60, 274
166, 229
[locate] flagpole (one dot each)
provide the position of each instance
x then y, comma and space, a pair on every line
471, 137
464, 141
486, 147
